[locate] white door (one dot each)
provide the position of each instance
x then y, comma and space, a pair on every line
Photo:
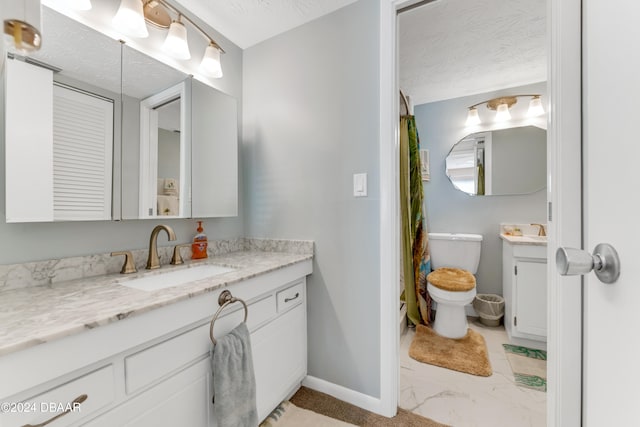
611, 88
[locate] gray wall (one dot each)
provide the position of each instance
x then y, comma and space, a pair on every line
440, 126
41, 241
311, 122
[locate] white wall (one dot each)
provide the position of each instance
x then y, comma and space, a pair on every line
41, 241
440, 126
311, 121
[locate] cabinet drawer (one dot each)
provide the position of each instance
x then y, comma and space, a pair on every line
530, 251
98, 386
153, 363
290, 297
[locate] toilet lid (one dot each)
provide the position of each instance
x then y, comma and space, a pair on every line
452, 279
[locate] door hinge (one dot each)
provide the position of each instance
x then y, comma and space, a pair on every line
550, 207
515, 270
515, 321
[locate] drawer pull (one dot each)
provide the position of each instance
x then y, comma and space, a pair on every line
77, 400
292, 298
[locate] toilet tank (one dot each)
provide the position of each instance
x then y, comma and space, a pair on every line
455, 250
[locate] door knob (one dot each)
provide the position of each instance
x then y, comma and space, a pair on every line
604, 262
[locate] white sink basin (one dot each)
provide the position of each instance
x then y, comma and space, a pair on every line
175, 278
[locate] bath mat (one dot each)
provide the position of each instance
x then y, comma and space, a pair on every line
289, 415
467, 354
529, 366
322, 403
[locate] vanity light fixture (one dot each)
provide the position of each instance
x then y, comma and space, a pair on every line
502, 113
501, 106
210, 65
22, 23
158, 13
473, 119
129, 19
176, 43
535, 107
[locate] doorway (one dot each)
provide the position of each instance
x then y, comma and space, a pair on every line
445, 69
565, 25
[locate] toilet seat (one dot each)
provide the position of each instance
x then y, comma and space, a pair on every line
452, 279
451, 289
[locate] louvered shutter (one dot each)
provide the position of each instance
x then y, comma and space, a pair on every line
82, 155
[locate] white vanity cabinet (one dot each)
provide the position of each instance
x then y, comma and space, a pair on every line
154, 369
524, 286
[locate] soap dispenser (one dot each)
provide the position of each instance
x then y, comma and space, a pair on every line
199, 245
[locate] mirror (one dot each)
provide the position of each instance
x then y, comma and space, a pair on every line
499, 162
60, 128
179, 144
155, 138
109, 174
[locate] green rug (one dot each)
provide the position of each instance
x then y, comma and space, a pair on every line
529, 366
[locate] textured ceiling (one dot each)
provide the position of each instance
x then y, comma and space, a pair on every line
448, 49
455, 48
247, 22
88, 56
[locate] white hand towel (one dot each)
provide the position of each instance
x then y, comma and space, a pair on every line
234, 383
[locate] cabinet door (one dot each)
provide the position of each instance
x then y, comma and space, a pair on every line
531, 298
182, 400
279, 358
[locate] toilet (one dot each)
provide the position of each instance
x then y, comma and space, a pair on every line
452, 285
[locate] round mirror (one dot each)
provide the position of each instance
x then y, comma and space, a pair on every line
499, 162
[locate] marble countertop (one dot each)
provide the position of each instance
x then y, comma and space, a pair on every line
525, 240
35, 315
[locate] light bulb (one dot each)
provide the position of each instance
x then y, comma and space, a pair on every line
502, 113
176, 43
210, 65
129, 19
535, 107
473, 119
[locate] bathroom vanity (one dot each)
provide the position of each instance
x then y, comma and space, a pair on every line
115, 355
524, 287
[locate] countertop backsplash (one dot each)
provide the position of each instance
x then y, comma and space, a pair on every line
50, 272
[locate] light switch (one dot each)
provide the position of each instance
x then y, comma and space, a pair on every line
360, 185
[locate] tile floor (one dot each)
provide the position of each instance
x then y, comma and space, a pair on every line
464, 400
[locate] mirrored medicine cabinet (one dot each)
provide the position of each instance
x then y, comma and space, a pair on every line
95, 130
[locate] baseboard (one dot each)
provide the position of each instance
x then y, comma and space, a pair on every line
356, 398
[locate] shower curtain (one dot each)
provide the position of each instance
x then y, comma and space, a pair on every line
416, 262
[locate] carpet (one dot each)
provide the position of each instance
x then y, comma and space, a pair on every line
467, 354
324, 404
529, 366
289, 415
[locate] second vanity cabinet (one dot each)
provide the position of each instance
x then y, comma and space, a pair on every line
524, 281
154, 369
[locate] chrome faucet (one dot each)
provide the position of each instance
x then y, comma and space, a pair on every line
153, 261
541, 232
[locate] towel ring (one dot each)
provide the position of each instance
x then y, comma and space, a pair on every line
224, 300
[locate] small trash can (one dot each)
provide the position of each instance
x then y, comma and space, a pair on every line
490, 308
